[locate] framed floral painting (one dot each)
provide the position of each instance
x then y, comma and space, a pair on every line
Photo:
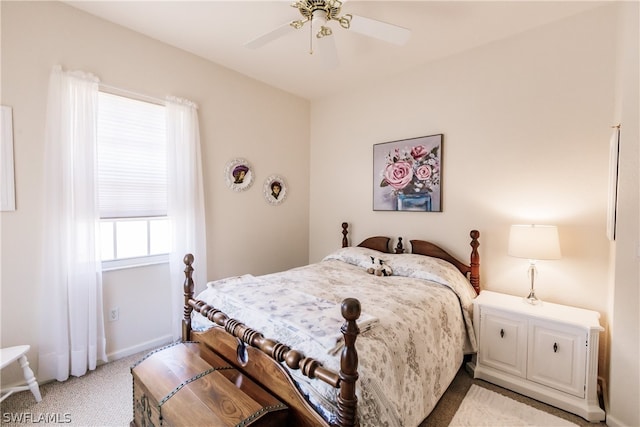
407, 175
7, 184
238, 174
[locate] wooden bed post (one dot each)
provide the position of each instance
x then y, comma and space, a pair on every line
475, 260
345, 242
347, 399
188, 294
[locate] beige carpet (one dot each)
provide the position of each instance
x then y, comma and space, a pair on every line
103, 398
99, 398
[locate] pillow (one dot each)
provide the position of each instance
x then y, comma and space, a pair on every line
356, 255
433, 269
411, 265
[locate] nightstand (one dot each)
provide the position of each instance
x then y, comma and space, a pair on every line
548, 351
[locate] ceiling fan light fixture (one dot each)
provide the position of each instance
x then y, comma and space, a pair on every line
297, 24
330, 8
345, 21
320, 12
325, 10
320, 18
323, 32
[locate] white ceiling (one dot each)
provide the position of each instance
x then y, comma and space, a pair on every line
218, 30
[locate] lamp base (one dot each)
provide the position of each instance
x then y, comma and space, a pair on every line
532, 299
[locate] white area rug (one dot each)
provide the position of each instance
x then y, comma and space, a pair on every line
482, 407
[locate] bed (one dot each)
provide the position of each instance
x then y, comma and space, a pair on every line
295, 332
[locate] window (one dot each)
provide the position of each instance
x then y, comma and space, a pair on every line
132, 181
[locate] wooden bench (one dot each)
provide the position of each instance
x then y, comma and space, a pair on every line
185, 385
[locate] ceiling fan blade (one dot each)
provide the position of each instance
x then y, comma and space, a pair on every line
380, 30
270, 36
327, 52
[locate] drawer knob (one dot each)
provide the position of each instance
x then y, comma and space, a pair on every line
555, 347
501, 333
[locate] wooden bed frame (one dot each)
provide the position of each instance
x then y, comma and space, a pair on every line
262, 358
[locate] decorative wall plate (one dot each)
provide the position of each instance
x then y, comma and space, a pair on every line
275, 190
239, 174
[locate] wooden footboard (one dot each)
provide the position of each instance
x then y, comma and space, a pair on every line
262, 358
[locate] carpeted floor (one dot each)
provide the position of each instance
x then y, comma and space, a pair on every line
103, 398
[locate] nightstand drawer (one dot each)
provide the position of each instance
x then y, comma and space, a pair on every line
504, 339
557, 356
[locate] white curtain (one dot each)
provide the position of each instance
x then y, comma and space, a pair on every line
72, 336
186, 201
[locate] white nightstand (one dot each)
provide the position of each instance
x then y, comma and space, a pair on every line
548, 351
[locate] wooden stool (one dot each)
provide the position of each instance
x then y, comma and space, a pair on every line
19, 353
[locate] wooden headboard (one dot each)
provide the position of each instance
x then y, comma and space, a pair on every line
422, 247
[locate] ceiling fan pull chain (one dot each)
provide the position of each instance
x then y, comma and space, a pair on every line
311, 36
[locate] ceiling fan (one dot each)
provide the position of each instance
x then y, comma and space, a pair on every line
319, 13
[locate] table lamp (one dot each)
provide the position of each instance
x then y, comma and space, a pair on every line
534, 242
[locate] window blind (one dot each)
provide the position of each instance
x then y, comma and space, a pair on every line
132, 158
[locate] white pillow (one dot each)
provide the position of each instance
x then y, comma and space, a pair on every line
356, 255
433, 269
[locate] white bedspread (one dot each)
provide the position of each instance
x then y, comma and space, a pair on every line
304, 314
415, 327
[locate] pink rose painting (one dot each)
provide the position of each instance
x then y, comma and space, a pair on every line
407, 174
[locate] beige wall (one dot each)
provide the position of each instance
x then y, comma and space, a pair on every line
624, 315
239, 117
526, 124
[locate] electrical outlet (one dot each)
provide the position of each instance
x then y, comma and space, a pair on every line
114, 314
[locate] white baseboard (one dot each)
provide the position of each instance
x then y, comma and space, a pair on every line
147, 345
614, 422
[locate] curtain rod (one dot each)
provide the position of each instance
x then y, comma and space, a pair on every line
139, 96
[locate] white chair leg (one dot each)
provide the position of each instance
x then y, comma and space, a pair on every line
30, 378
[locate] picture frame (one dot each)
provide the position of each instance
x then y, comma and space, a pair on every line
407, 174
275, 190
239, 174
614, 165
7, 178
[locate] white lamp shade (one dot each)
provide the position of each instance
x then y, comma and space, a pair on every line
534, 242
